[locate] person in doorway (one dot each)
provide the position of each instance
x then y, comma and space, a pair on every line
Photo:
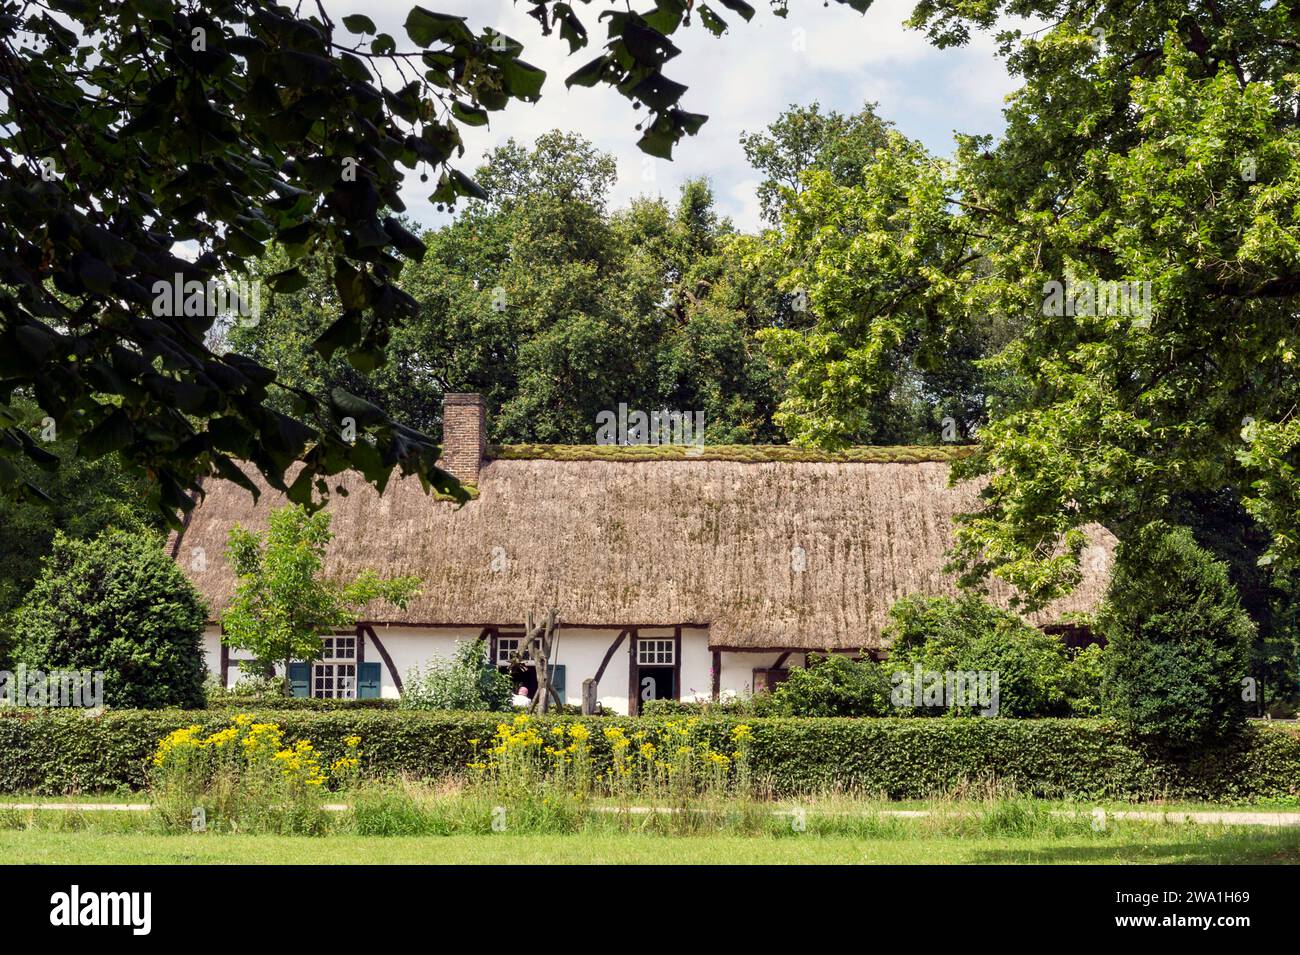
521, 697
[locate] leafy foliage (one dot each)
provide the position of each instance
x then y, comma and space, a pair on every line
1152, 145
884, 274
833, 685
282, 604
243, 702
82, 499
531, 298
804, 138
134, 125
1037, 675
118, 604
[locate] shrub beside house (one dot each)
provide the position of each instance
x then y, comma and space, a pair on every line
119, 605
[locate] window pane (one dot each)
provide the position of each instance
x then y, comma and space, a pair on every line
655, 652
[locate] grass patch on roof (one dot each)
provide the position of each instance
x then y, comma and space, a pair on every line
745, 453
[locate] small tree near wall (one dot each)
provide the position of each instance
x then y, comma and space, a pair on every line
282, 604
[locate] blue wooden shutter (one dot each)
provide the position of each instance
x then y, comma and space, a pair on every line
300, 679
368, 681
557, 678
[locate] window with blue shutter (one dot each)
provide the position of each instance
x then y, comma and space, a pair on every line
300, 679
557, 678
368, 681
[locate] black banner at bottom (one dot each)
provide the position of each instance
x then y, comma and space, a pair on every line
143, 906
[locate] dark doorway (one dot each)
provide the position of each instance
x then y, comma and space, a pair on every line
525, 676
521, 673
657, 683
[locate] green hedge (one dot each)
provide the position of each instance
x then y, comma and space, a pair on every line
746, 706
249, 704
60, 752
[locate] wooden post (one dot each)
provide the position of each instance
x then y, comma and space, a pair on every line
717, 675
589, 702
536, 647
633, 688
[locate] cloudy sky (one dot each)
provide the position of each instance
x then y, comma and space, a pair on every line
742, 81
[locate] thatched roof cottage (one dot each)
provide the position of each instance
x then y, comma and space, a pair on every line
683, 572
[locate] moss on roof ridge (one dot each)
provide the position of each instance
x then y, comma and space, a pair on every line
745, 453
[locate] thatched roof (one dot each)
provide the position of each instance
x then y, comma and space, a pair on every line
770, 554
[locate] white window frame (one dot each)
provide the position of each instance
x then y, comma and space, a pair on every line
505, 647
656, 652
334, 675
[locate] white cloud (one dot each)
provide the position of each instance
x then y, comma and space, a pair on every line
743, 196
742, 81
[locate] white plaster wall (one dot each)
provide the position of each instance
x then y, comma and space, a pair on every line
580, 651
410, 647
212, 657
738, 669
697, 665
212, 650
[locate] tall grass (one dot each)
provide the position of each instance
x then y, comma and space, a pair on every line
404, 807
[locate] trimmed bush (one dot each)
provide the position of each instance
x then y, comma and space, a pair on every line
757, 705
117, 604
61, 752
1178, 642
234, 703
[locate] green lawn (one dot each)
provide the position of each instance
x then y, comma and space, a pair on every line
436, 827
831, 803
1126, 844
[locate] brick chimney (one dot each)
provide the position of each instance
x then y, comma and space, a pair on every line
464, 435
